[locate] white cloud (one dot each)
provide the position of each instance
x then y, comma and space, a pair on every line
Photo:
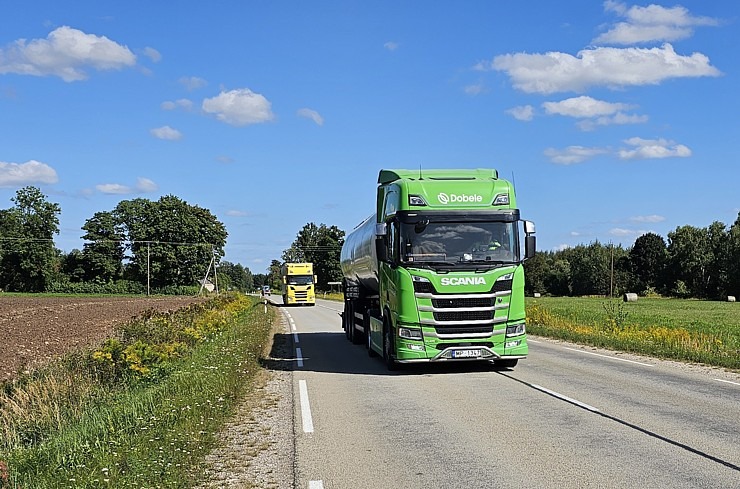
653, 148
181, 103
391, 46
475, 89
28, 173
650, 218
583, 107
311, 114
617, 119
143, 185
651, 23
192, 82
113, 188
595, 112
522, 112
65, 53
152, 54
604, 66
236, 213
239, 107
625, 233
166, 132
573, 154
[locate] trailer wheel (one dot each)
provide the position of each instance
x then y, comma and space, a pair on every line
390, 362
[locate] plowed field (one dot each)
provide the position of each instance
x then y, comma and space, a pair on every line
36, 330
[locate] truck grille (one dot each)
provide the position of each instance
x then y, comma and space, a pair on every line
438, 301
463, 316
471, 314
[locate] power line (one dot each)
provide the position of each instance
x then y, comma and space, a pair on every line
120, 241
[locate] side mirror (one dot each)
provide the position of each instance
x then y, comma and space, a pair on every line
530, 246
529, 228
381, 250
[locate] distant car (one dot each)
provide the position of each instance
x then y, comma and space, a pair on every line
265, 290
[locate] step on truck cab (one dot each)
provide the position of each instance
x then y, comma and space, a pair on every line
436, 273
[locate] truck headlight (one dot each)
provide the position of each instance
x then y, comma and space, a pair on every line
501, 199
515, 330
410, 333
417, 200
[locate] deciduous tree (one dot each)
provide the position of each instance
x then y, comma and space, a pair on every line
28, 259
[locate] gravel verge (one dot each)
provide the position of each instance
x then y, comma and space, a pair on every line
257, 448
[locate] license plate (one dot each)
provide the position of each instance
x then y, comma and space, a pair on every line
465, 353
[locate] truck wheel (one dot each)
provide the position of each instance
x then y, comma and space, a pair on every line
390, 362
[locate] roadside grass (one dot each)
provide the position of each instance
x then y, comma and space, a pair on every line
142, 410
687, 330
331, 296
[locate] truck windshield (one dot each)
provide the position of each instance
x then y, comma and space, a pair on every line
299, 279
459, 243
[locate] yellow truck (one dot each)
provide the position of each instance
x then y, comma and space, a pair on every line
298, 283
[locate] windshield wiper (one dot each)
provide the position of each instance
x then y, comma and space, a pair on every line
486, 262
430, 264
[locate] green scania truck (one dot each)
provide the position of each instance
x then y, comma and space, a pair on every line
436, 274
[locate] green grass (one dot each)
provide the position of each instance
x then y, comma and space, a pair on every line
76, 425
689, 330
331, 296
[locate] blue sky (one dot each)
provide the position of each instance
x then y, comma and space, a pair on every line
613, 118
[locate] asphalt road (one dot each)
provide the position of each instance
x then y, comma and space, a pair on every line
567, 416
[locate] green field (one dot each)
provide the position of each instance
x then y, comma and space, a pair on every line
689, 330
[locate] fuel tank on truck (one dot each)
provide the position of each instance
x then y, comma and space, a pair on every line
359, 259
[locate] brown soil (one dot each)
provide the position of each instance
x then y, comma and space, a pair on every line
36, 330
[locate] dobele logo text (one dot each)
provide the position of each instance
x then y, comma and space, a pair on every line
452, 198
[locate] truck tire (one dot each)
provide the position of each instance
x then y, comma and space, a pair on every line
390, 362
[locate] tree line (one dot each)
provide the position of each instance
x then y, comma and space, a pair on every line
166, 246
694, 262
